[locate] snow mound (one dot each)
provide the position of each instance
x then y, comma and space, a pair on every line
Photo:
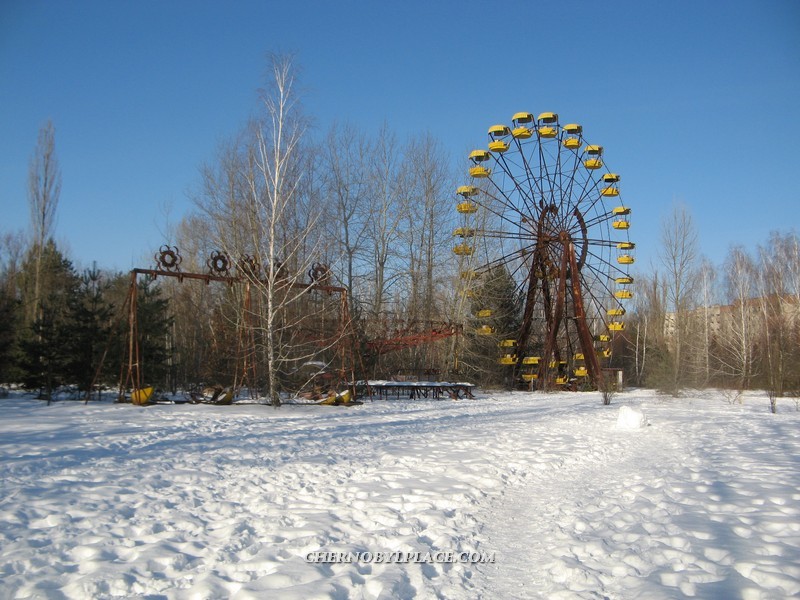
631, 418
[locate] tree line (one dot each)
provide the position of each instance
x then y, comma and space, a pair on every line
373, 215
367, 212
735, 325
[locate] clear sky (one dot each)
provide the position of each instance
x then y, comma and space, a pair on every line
694, 100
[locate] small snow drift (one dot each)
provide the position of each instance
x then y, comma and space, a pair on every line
631, 418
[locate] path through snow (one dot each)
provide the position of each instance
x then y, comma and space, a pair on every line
704, 502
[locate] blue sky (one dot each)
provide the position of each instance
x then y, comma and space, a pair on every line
694, 101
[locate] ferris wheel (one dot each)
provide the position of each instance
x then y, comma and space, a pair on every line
544, 212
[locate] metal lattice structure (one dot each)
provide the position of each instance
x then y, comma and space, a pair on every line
247, 273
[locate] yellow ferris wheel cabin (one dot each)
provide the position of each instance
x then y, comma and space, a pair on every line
522, 123
572, 138
593, 153
548, 124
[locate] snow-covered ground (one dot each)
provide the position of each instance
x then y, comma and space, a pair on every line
402, 499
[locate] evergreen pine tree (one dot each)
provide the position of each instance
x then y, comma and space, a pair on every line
10, 312
497, 292
44, 344
154, 325
88, 328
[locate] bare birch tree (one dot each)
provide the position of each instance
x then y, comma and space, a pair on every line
44, 190
738, 335
430, 212
261, 201
274, 193
345, 154
702, 338
780, 311
678, 256
386, 216
788, 254
648, 325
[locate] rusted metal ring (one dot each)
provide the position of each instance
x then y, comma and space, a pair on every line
280, 271
168, 258
218, 263
248, 266
318, 273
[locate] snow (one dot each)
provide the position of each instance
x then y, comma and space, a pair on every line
402, 499
631, 418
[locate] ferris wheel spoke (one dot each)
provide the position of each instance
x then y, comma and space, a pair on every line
595, 199
609, 271
547, 191
601, 242
601, 218
504, 201
507, 235
567, 172
503, 260
571, 179
533, 182
525, 194
600, 285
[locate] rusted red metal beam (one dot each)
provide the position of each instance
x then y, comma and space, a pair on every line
401, 342
585, 337
207, 277
550, 347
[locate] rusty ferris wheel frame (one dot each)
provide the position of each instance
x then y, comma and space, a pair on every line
245, 271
